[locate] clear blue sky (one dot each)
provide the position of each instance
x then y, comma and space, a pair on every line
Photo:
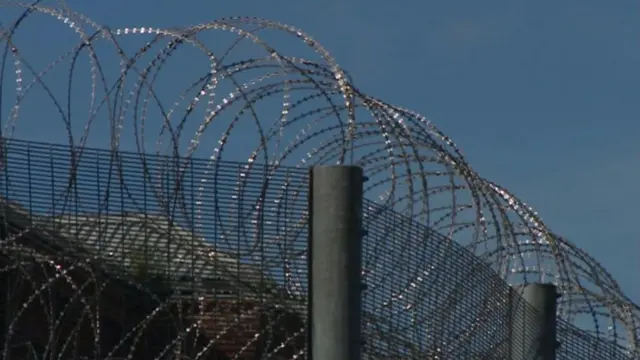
542, 96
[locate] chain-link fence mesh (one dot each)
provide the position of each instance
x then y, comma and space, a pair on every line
105, 261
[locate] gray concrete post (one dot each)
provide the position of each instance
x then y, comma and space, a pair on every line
335, 262
534, 323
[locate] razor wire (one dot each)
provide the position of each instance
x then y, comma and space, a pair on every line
269, 97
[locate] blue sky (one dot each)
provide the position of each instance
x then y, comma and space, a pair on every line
541, 96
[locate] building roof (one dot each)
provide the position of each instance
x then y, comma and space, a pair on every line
134, 245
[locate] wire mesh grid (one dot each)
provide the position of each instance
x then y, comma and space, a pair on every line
252, 91
104, 272
148, 283
434, 299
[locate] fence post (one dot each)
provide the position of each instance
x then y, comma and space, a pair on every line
534, 323
335, 262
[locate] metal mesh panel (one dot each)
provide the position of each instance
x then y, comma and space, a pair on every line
578, 345
124, 262
429, 298
432, 298
153, 272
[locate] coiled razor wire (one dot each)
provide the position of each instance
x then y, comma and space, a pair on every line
229, 92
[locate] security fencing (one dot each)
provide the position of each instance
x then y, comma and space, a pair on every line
155, 254
124, 255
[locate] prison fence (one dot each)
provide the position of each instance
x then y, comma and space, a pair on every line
110, 254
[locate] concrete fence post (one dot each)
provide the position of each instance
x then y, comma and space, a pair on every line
533, 335
335, 262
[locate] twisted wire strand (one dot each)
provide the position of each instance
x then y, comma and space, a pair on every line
242, 98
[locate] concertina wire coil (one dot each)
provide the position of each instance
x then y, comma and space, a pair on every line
249, 101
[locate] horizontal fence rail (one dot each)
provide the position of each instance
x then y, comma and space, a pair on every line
113, 255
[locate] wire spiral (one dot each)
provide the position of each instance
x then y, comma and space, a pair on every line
225, 92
